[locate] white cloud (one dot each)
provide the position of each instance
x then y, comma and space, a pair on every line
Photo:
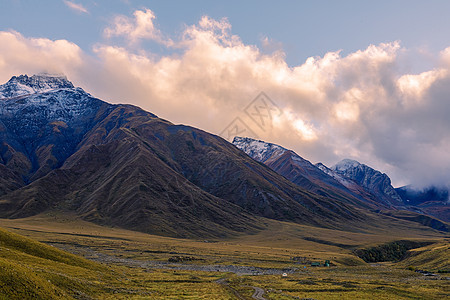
134, 30
33, 55
359, 105
415, 85
76, 7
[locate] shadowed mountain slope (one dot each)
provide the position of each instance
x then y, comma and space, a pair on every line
119, 165
303, 173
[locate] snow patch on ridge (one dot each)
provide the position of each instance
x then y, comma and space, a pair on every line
258, 150
341, 179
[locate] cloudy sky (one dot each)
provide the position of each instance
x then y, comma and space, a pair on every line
368, 80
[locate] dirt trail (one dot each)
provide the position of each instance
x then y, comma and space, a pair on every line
258, 294
225, 284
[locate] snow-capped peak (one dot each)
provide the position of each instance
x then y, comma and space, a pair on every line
24, 85
345, 164
43, 98
258, 150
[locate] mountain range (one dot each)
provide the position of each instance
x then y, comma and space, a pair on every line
351, 181
118, 165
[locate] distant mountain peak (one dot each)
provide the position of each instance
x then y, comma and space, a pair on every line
259, 150
43, 81
375, 182
26, 85
345, 164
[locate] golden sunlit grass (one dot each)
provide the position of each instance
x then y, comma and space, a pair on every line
432, 257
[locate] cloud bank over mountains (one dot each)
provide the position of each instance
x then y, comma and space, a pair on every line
365, 105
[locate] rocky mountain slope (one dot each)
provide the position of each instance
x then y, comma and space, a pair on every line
40, 130
375, 182
303, 173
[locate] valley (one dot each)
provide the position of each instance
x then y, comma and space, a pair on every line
140, 266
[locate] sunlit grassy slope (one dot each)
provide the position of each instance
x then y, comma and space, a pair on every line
33, 270
434, 257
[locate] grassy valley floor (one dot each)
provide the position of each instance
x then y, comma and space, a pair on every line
121, 264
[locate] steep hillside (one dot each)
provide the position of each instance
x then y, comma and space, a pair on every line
119, 165
32, 270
